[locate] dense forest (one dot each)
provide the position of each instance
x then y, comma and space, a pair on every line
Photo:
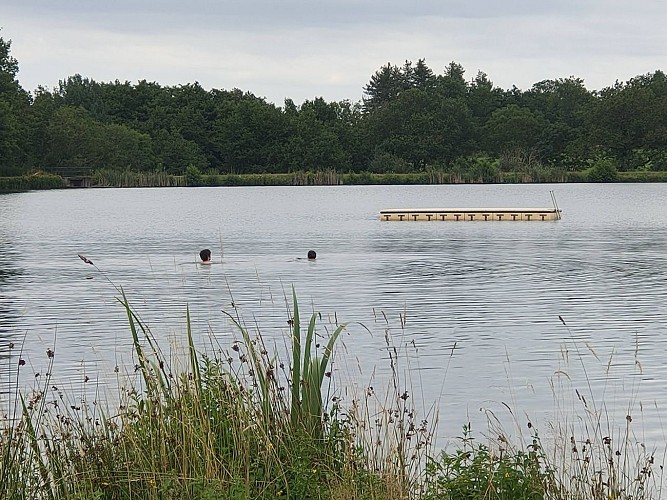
410, 119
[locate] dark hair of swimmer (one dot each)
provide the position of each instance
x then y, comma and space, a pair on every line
312, 255
205, 255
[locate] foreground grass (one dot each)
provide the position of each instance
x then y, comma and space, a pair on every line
245, 424
229, 427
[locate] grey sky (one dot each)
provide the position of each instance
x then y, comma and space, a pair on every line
303, 49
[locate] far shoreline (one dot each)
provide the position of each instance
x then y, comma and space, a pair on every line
43, 180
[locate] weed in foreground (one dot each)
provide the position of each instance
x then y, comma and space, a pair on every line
494, 471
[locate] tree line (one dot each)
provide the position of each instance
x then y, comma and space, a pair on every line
410, 119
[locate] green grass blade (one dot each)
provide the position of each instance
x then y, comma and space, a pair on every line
155, 378
312, 401
328, 350
296, 362
310, 336
194, 362
36, 452
258, 367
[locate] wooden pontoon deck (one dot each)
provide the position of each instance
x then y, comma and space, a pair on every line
470, 214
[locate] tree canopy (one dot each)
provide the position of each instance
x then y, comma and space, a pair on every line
410, 118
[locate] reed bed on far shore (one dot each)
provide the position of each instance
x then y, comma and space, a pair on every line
245, 424
135, 179
127, 178
37, 180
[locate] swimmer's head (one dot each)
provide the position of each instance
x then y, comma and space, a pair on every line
205, 255
312, 255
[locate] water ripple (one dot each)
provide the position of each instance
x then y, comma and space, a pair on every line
489, 311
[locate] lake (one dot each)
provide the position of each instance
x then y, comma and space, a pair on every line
485, 315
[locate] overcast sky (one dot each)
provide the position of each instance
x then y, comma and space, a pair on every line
304, 49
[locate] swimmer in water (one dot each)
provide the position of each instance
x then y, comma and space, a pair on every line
312, 255
205, 256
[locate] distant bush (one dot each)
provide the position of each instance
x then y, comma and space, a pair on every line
602, 170
193, 176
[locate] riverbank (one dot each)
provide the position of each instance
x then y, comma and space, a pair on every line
42, 180
36, 181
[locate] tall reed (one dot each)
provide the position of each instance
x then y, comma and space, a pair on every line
596, 448
108, 177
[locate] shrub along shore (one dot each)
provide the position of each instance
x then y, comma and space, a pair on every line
122, 179
246, 424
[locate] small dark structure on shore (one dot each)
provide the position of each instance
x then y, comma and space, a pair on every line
82, 181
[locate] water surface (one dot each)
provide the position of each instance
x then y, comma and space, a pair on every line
487, 314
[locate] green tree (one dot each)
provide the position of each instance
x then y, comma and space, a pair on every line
14, 105
173, 153
422, 77
622, 120
131, 105
560, 100
513, 128
422, 128
43, 107
385, 85
483, 98
603, 169
340, 124
563, 104
249, 134
351, 133
451, 84
9, 147
77, 144
193, 176
315, 137
630, 121
83, 92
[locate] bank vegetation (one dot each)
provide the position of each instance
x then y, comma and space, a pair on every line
412, 125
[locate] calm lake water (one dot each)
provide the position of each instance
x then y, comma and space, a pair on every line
474, 307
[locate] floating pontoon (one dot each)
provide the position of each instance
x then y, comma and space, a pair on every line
471, 214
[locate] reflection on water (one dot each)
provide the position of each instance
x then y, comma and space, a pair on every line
487, 312
10, 274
